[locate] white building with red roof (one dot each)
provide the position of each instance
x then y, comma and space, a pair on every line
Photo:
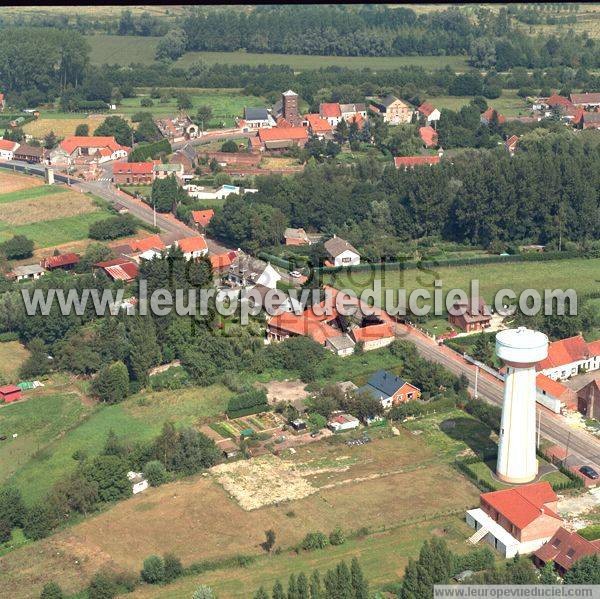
517, 520
569, 357
91, 148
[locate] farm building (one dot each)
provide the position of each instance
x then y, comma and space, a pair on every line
517, 520
10, 393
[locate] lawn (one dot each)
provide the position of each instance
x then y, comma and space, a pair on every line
139, 418
12, 356
579, 274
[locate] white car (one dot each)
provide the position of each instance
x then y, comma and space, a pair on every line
295, 274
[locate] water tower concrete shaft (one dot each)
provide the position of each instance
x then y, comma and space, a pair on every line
520, 349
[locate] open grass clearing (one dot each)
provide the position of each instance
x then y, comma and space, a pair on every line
12, 356
11, 182
39, 209
578, 273
374, 485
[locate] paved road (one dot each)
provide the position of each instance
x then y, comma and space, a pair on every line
582, 446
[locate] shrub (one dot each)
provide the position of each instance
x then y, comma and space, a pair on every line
153, 570
155, 472
336, 537
314, 540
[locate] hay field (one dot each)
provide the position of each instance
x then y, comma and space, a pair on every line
10, 182
62, 127
54, 206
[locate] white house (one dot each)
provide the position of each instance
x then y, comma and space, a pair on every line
7, 149
341, 253
138, 482
343, 422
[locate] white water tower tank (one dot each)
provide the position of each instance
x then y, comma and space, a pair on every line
520, 349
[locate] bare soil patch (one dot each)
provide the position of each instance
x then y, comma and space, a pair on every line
51, 207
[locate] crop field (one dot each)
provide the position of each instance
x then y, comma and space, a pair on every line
48, 454
49, 215
579, 274
12, 356
378, 485
62, 124
124, 50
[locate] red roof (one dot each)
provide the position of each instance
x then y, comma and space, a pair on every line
489, 113
373, 332
223, 261
426, 109
60, 261
317, 124
133, 168
411, 161
9, 389
556, 100
330, 110
70, 144
564, 352
428, 135
283, 134
153, 242
202, 217
192, 244
7, 144
565, 548
522, 505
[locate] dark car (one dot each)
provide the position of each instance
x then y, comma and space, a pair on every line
589, 472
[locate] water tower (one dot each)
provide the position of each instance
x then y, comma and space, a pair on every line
520, 349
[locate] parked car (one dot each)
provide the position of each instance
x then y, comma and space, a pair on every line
589, 472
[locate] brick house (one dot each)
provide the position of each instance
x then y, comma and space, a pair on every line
517, 520
464, 316
588, 399
389, 389
133, 173
564, 549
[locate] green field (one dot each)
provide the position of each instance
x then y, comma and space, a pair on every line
52, 426
580, 274
124, 50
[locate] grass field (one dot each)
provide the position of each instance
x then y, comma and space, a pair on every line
579, 274
140, 417
12, 356
379, 486
48, 215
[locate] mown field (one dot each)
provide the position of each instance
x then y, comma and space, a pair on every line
579, 274
124, 50
48, 215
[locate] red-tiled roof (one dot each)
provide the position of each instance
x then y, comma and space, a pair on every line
153, 242
489, 113
556, 100
373, 332
410, 161
564, 352
223, 261
60, 260
70, 144
426, 109
317, 124
202, 217
565, 548
428, 135
7, 144
330, 110
282, 134
522, 505
133, 168
192, 244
